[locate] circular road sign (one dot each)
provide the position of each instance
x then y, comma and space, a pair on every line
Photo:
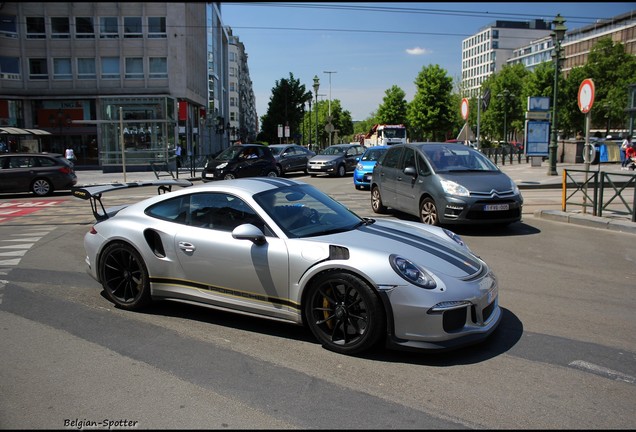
586, 95
464, 108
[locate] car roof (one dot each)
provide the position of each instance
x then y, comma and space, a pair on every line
54, 155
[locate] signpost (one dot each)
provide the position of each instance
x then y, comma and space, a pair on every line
586, 100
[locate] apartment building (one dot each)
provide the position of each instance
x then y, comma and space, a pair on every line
487, 51
578, 43
93, 75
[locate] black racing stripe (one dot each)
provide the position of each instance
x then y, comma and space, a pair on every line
469, 266
226, 291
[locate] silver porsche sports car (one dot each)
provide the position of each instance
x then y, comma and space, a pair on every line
282, 249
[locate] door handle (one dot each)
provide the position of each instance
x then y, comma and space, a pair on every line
186, 246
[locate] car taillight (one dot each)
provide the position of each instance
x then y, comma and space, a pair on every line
93, 230
65, 170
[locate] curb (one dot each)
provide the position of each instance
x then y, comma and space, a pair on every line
591, 221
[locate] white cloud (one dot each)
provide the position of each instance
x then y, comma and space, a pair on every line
418, 51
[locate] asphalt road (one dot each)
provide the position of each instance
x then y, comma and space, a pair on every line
564, 356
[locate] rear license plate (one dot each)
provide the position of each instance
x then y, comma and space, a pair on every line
496, 207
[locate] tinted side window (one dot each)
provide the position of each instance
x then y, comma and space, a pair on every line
409, 158
392, 157
46, 162
219, 211
422, 166
175, 210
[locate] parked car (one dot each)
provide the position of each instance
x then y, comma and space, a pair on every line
364, 167
444, 183
284, 250
291, 157
38, 173
336, 160
244, 160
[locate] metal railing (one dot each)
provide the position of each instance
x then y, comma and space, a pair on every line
497, 154
619, 185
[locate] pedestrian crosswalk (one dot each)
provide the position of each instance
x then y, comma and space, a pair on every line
13, 246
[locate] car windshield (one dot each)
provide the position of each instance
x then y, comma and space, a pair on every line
333, 150
229, 153
305, 211
457, 159
373, 155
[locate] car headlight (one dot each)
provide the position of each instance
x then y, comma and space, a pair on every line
330, 163
411, 272
452, 188
515, 188
359, 167
221, 166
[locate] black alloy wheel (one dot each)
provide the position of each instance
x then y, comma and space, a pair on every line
344, 313
124, 276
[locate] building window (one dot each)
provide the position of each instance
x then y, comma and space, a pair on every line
132, 27
35, 28
60, 28
86, 68
38, 69
9, 67
158, 67
84, 28
156, 27
8, 27
62, 69
108, 28
135, 68
110, 68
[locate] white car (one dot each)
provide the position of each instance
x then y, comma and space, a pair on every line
282, 249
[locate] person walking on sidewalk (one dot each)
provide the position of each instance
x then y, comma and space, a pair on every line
627, 143
630, 158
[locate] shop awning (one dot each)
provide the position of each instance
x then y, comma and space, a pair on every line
19, 131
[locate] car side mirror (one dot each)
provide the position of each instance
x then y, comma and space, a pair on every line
249, 232
410, 171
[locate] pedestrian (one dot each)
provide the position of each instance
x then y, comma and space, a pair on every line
177, 152
69, 154
630, 158
627, 143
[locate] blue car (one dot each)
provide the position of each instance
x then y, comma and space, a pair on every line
364, 167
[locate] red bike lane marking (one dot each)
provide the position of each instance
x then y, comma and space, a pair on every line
13, 209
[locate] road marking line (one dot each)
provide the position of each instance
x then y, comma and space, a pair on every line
600, 370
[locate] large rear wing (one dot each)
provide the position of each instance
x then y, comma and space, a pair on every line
94, 193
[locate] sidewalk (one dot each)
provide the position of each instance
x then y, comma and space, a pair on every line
524, 175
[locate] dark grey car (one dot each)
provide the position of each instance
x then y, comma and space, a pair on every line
336, 160
291, 157
39, 173
444, 183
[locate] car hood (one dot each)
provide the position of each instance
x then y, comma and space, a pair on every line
325, 158
213, 163
425, 245
485, 182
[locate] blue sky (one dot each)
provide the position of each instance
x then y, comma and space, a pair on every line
372, 46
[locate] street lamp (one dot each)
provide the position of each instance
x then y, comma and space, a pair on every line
316, 87
557, 37
309, 131
329, 120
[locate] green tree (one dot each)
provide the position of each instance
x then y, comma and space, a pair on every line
430, 115
285, 107
506, 110
341, 120
612, 70
393, 109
